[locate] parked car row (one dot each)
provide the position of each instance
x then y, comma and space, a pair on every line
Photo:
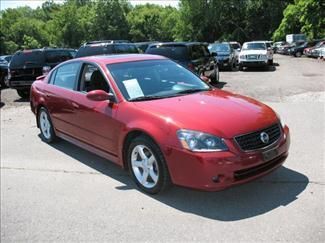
313, 48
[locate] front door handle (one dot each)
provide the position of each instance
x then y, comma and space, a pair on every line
75, 105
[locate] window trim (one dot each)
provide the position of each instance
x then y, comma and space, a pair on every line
78, 88
54, 72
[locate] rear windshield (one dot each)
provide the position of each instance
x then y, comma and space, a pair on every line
94, 50
175, 52
235, 46
56, 56
125, 48
22, 58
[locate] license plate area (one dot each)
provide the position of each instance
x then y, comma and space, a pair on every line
270, 154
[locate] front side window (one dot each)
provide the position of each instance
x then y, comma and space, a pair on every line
66, 75
92, 79
175, 52
125, 48
154, 79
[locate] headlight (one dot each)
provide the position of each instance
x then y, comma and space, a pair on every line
200, 142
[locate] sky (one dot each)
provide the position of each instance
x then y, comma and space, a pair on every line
4, 4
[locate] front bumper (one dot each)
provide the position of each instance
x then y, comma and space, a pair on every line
20, 84
219, 170
255, 63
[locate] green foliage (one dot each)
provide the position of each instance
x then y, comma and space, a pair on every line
73, 22
302, 16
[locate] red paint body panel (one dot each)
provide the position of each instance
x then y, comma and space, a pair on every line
102, 126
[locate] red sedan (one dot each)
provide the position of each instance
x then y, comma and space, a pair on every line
160, 121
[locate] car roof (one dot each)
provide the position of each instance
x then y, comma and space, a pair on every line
111, 59
177, 43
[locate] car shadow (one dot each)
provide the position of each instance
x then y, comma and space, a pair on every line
2, 104
21, 100
219, 85
260, 69
275, 190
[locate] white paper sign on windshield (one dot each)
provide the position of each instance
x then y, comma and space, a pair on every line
133, 88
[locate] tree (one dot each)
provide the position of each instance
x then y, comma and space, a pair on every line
302, 16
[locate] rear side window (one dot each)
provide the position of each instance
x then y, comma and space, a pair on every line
94, 50
199, 51
125, 48
175, 52
57, 56
27, 58
66, 75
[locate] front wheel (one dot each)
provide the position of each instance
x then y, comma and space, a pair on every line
23, 93
216, 75
147, 165
46, 126
298, 54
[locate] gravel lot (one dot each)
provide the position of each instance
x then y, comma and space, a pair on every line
63, 193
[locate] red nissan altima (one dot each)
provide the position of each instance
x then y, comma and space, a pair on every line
160, 121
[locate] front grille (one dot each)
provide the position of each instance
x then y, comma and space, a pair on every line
252, 141
259, 169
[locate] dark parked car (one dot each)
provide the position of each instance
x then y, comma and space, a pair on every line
193, 55
309, 51
297, 51
96, 48
225, 55
142, 46
25, 66
4, 61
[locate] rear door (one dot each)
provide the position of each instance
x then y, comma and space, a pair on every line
200, 57
60, 95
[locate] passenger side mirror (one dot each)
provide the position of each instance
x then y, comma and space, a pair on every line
100, 95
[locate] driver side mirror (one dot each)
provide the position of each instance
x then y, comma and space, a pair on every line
100, 95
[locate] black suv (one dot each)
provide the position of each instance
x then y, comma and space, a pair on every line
4, 60
193, 55
106, 47
25, 66
225, 55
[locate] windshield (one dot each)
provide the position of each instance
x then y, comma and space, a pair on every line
219, 48
154, 79
254, 46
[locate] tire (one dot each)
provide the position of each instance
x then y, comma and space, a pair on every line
241, 68
216, 75
46, 126
147, 165
271, 62
298, 54
23, 93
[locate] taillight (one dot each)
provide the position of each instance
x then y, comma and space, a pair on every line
46, 70
191, 66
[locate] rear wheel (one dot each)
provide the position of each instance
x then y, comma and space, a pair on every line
271, 62
23, 93
241, 68
147, 165
46, 126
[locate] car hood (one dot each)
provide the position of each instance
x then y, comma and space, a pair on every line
216, 112
254, 52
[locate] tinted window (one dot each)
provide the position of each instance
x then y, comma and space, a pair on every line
163, 78
66, 75
27, 58
235, 46
57, 56
125, 48
176, 52
93, 50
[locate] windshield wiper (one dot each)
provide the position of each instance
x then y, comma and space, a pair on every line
148, 97
190, 91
